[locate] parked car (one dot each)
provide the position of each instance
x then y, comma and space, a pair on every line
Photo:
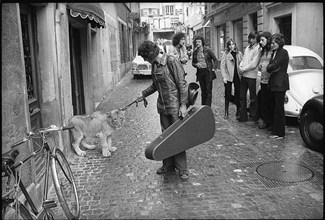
311, 123
306, 78
140, 67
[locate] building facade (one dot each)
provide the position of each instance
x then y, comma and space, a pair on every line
165, 19
301, 23
197, 26
60, 60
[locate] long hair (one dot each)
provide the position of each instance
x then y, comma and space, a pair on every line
267, 36
254, 34
148, 50
278, 38
228, 46
177, 38
198, 38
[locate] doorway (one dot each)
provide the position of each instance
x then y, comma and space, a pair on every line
238, 34
78, 98
33, 82
284, 24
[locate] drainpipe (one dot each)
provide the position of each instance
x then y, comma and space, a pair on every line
60, 10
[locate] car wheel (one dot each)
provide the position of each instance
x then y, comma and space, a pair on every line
311, 130
135, 76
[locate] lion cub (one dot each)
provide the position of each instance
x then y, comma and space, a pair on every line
98, 124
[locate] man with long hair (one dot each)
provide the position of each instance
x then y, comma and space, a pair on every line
168, 79
248, 69
278, 83
205, 62
265, 93
179, 50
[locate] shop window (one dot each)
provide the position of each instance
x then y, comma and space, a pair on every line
221, 39
207, 36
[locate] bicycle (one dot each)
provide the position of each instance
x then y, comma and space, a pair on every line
61, 173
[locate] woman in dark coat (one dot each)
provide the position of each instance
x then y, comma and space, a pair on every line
279, 84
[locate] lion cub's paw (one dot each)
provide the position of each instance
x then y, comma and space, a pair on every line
90, 146
81, 153
106, 153
113, 149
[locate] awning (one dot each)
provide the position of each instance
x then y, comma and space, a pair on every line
206, 23
90, 11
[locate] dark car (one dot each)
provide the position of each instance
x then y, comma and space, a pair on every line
311, 123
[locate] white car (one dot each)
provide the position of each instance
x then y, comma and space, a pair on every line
140, 67
306, 79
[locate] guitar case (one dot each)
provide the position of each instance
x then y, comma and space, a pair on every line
197, 127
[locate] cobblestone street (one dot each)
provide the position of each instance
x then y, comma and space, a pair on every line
223, 180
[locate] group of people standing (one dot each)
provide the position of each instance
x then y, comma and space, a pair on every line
265, 53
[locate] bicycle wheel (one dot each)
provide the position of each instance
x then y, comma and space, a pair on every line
64, 185
10, 213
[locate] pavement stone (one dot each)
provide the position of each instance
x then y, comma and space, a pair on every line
223, 181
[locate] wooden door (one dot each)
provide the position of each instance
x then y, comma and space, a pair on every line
29, 38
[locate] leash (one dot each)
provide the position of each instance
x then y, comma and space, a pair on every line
145, 102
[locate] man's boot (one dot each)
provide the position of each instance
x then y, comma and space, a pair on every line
238, 112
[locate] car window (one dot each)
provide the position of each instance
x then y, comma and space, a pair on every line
305, 62
313, 63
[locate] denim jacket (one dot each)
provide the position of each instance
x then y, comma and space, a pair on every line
169, 80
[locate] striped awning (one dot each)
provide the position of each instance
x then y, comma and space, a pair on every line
90, 11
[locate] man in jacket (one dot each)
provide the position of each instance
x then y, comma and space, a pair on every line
169, 80
278, 83
206, 62
248, 68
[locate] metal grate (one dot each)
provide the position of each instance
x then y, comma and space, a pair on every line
280, 173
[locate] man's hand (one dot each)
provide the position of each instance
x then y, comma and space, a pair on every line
240, 70
140, 99
182, 111
224, 80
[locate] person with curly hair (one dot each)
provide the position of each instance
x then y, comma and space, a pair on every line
179, 49
205, 62
168, 79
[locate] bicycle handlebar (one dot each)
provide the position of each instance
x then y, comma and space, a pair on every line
41, 131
